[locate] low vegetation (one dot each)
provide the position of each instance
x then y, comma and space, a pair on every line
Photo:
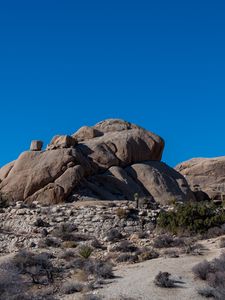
213, 273
191, 217
37, 266
113, 235
167, 241
163, 279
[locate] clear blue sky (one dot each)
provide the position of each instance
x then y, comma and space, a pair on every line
160, 64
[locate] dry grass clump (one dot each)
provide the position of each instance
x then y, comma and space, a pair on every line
69, 244
122, 213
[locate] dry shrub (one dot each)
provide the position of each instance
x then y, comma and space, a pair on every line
162, 279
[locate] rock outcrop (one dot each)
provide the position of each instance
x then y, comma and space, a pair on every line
205, 174
112, 160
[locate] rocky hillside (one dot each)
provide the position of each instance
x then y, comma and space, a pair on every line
112, 160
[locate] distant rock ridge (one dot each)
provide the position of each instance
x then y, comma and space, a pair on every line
110, 161
205, 174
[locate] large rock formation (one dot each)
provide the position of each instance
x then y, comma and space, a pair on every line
206, 174
112, 160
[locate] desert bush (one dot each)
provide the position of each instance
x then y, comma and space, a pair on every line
67, 255
216, 279
222, 242
66, 232
66, 228
72, 287
207, 292
125, 246
95, 267
147, 254
218, 264
10, 281
41, 223
214, 274
91, 297
103, 269
202, 269
162, 279
122, 213
69, 244
36, 266
171, 253
127, 257
113, 235
48, 242
99, 269
85, 251
213, 232
95, 243
192, 217
192, 248
3, 201
143, 235
166, 241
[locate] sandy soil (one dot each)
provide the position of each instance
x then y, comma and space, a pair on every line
136, 281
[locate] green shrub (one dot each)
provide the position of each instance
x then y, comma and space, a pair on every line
85, 251
192, 217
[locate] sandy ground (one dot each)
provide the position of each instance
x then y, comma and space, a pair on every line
136, 281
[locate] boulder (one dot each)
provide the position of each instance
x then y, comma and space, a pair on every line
36, 145
86, 133
61, 141
205, 174
112, 160
151, 179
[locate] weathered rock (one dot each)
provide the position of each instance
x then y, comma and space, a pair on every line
86, 133
152, 179
36, 145
112, 160
4, 171
61, 141
206, 174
